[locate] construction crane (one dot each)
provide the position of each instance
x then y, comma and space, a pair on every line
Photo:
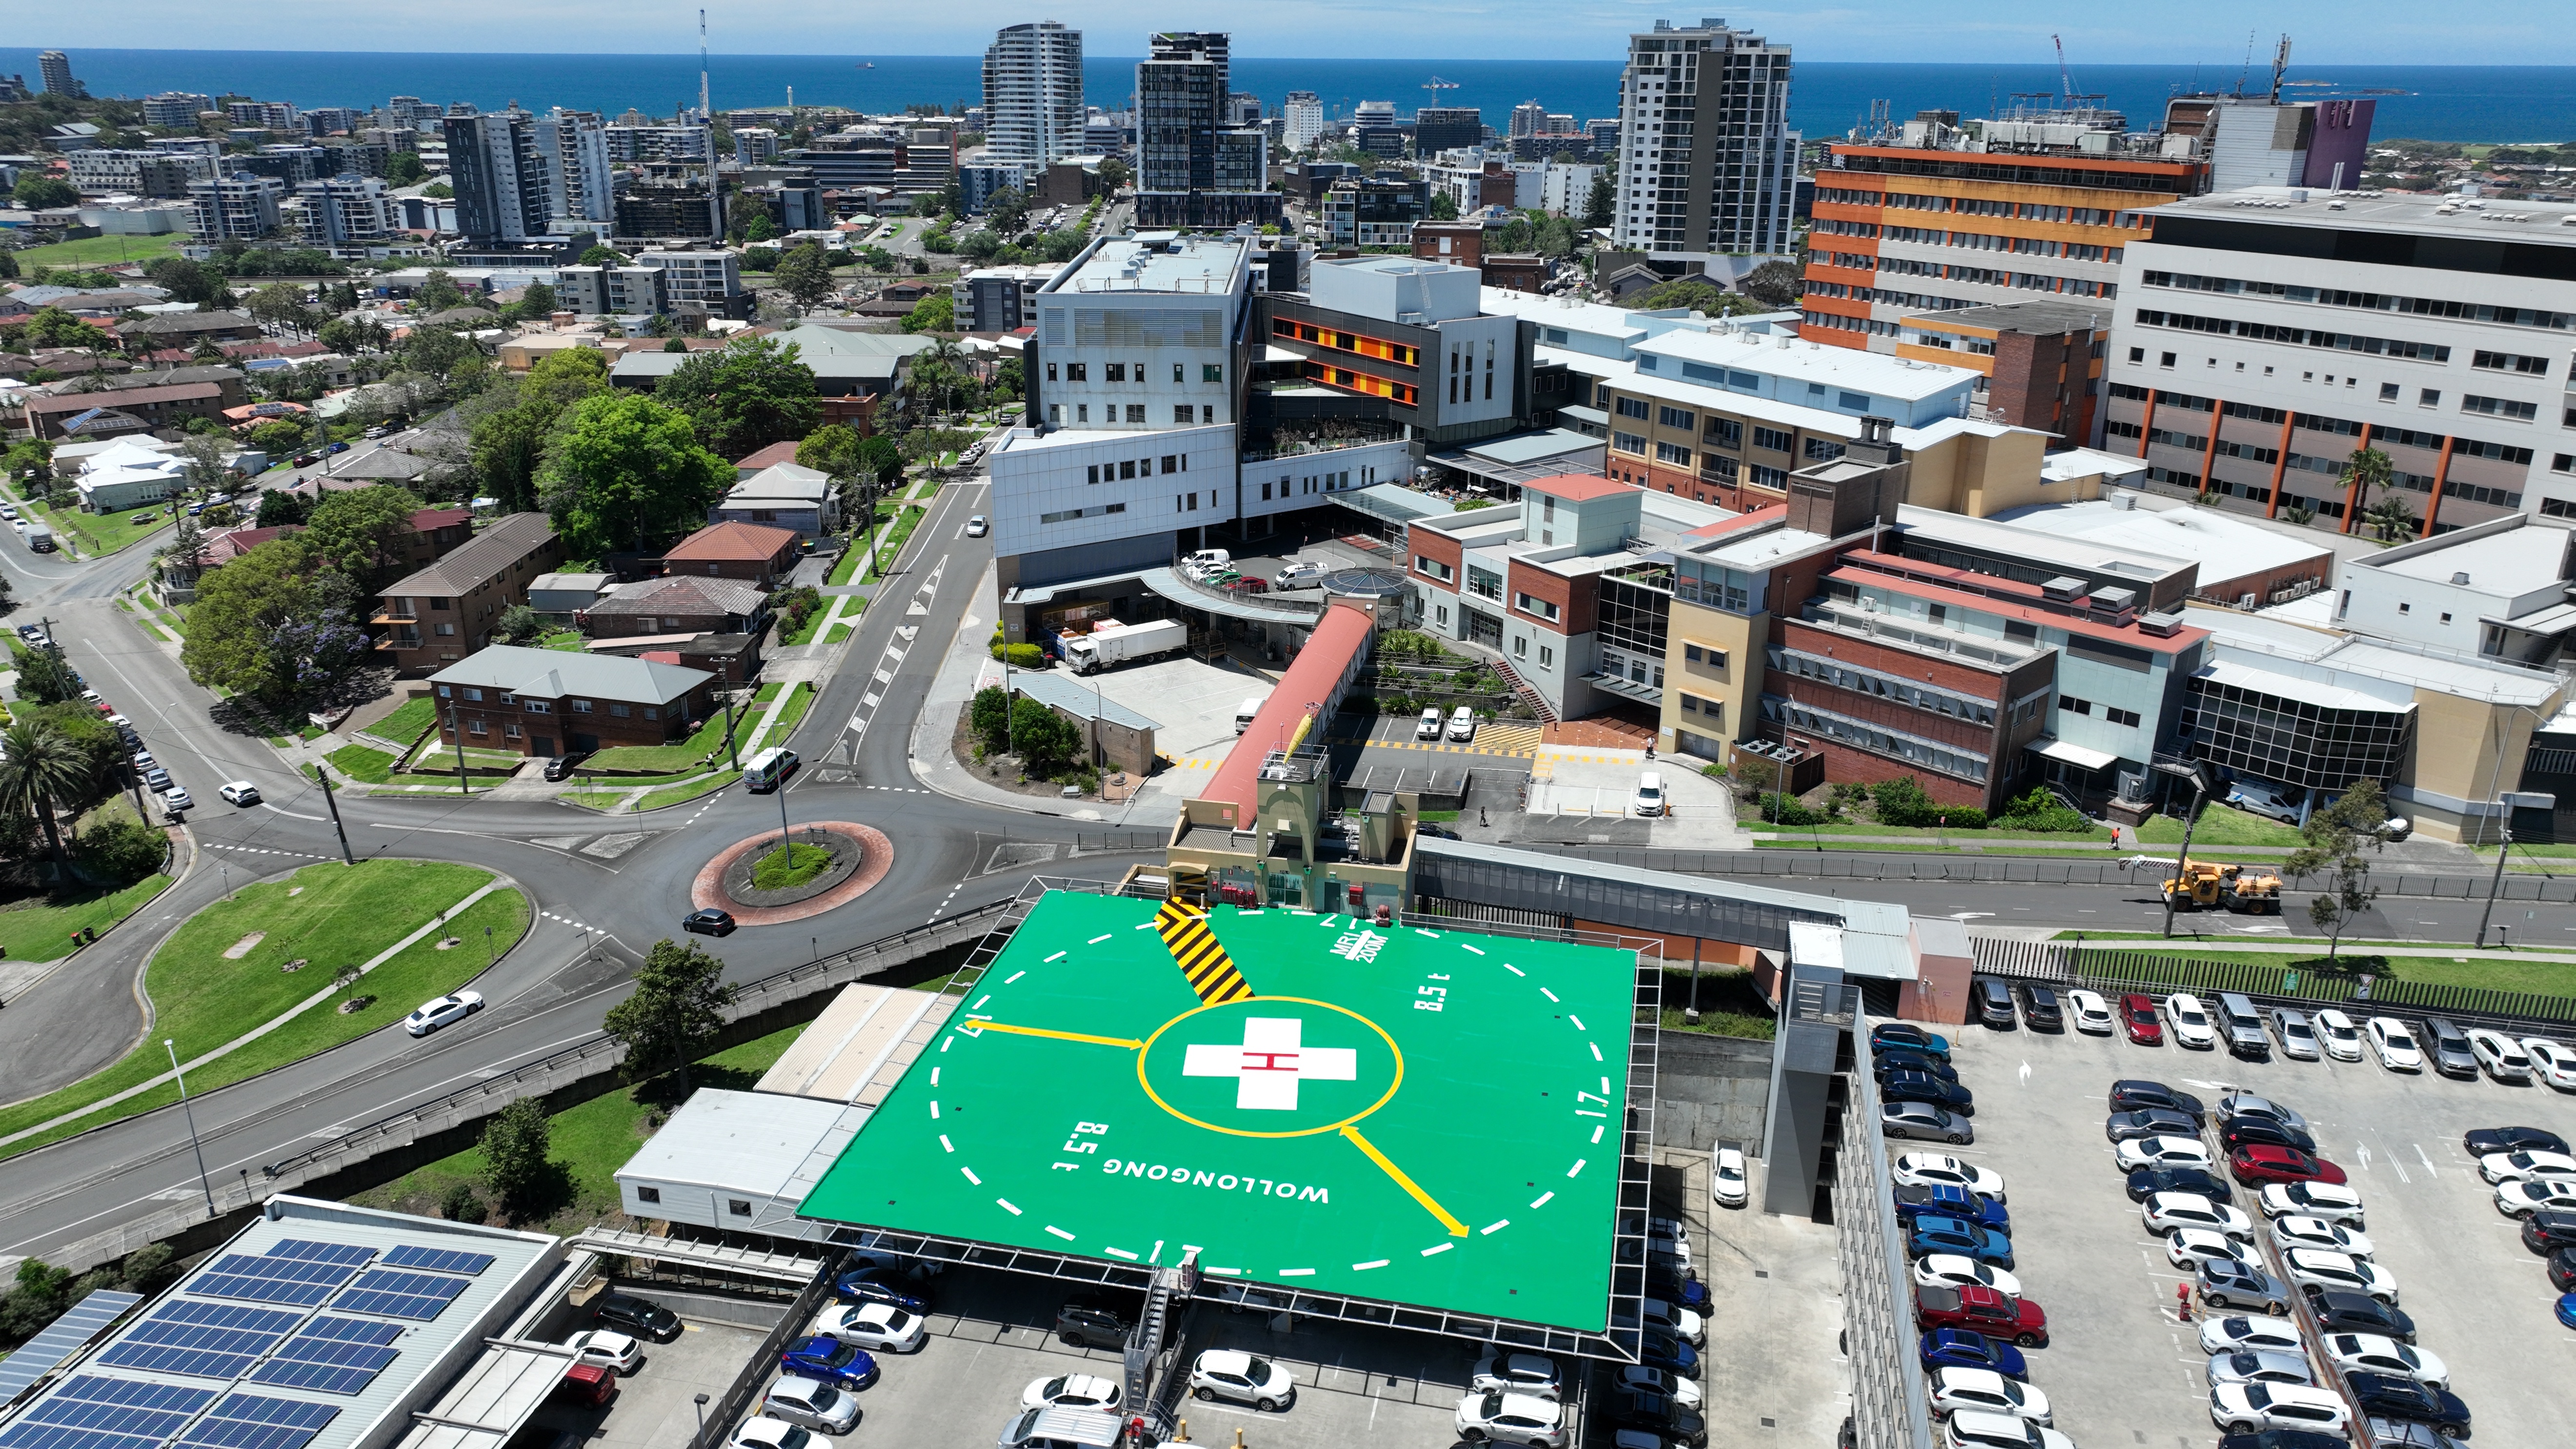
1436, 85
2065, 78
2280, 64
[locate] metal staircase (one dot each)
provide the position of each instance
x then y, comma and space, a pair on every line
1521, 688
1154, 1349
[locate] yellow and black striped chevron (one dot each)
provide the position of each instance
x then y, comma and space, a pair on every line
1201, 957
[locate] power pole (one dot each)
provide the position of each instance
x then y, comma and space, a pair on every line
456, 722
333, 801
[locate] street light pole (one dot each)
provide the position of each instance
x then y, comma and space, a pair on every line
2182, 862
191, 1113
2512, 800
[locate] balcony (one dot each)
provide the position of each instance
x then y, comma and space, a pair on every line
399, 640
392, 614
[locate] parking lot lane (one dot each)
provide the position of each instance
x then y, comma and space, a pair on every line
2478, 1298
653, 1408
1773, 1371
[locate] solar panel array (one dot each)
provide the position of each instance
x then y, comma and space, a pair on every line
94, 1412
201, 1340
40, 1355
334, 1355
254, 1421
305, 1276
401, 1295
438, 1260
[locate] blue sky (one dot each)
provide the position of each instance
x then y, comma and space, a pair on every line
2347, 32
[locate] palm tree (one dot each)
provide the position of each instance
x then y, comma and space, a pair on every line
42, 767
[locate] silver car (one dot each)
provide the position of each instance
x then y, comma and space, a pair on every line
2259, 1366
1923, 1120
2298, 1039
2246, 1104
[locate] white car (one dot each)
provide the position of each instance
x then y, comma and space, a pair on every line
2190, 1022
1663, 1235
2089, 1011
2551, 1062
2237, 1333
2340, 1273
178, 798
2188, 1248
2298, 1230
2393, 1044
2526, 1166
1075, 1391
2165, 1212
440, 1012
614, 1352
2259, 1366
1680, 1322
811, 1404
2501, 1055
1517, 1373
1429, 726
1931, 1169
1639, 1378
2140, 1152
1512, 1419
1726, 1178
876, 1327
1950, 1270
2336, 1033
976, 527
239, 792
1985, 1391
763, 1432
1462, 725
2331, 1201
2523, 1198
1649, 797
2374, 1354
1979, 1429
2246, 1104
2252, 1408
1223, 1373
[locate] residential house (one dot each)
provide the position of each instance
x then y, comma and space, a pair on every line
679, 604
128, 474
753, 552
562, 596
783, 495
549, 702
443, 613
154, 407
185, 329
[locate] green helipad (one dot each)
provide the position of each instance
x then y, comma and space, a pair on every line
1428, 1118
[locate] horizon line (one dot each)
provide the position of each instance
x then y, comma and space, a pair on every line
685, 53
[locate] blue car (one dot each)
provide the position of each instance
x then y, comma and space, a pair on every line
1961, 1348
1953, 1235
1944, 1200
830, 1360
1677, 1290
1913, 1038
2567, 1309
1663, 1351
867, 1285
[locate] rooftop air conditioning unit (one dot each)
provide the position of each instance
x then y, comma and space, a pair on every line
2063, 589
2161, 625
2245, 601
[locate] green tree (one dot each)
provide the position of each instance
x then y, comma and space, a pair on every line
676, 1009
1046, 741
743, 396
437, 292
831, 449
521, 625
515, 1143
281, 304
358, 532
2390, 518
625, 471
1444, 207
45, 677
441, 352
536, 302
43, 767
439, 189
805, 274
185, 280
991, 718
600, 256
1007, 211
120, 851
1114, 174
934, 313
36, 191
279, 508
2370, 469
43, 1292
1602, 204
760, 229
279, 437
54, 327
509, 427
404, 168
1775, 284
1697, 296
206, 463
239, 607
2335, 838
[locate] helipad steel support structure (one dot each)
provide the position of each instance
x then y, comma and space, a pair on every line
1889, 1396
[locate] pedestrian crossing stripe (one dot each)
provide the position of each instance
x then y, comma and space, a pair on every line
1204, 763
1444, 749
1201, 957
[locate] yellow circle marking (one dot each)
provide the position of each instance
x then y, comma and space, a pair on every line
1391, 1087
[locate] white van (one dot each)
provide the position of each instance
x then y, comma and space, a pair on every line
1244, 712
1299, 574
1206, 559
769, 769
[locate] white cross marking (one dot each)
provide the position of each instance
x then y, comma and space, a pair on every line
1267, 1065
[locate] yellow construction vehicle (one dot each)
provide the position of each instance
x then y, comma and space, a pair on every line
2202, 885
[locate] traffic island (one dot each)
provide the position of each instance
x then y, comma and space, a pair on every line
855, 858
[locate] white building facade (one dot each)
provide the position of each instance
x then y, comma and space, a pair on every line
1143, 334
1302, 121
1033, 93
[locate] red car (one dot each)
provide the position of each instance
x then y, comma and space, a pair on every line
2138, 1018
2258, 1163
1983, 1310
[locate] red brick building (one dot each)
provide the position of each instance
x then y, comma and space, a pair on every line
549, 702
442, 613
751, 552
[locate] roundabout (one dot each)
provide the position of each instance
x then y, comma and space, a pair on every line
860, 856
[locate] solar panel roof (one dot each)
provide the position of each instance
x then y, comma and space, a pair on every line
438, 1260
255, 1421
334, 1355
46, 1351
96, 1412
401, 1295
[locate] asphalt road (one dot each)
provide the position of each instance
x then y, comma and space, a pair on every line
600, 906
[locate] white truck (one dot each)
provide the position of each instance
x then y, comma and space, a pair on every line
1109, 644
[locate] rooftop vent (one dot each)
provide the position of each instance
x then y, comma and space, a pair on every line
2461, 579
2063, 589
2162, 625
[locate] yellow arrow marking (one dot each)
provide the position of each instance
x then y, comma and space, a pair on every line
977, 1027
1456, 1228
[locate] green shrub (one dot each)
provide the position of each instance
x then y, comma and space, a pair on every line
462, 1205
121, 851
1022, 656
1778, 809
2040, 810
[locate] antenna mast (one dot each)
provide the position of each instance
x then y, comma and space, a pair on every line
707, 118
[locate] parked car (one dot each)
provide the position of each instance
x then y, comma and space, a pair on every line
1958, 1236
1649, 799
2500, 1055
2017, 1321
2259, 1163
1909, 1036
1927, 1169
2260, 1366
2146, 1182
2246, 1104
2298, 1230
2137, 1094
1956, 1390
2339, 1272
2236, 1132
177, 798
1222, 1373
1074, 1391
2040, 1010
1534, 1374
2298, 1039
2524, 1166
2191, 1024
1924, 1087
2393, 1044
2167, 1212
1642, 1379
1512, 1419
764, 1432
2188, 1248
1086, 1322
1924, 1121
2519, 1199
2138, 1018
2549, 1230
2160, 1152
2239, 1286
811, 1404
2337, 1311
2147, 1122
2336, 1033
1978, 1429
1462, 725
2390, 1396
1949, 1270
2449, 1048
2551, 1062
2090, 1013
2374, 1354
1657, 1414
1963, 1348
828, 1360
614, 1352
1994, 1003
640, 1316
2487, 1141
1899, 1059
879, 1326
561, 767
1726, 1182
1429, 726
1953, 1202
442, 1011
2245, 1408
2237, 1333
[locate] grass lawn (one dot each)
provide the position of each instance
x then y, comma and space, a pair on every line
682, 794
363, 763
1925, 832
2220, 825
1728, 1004
589, 1142
567, 639
662, 759
2538, 978
1989, 846
905, 522
96, 533
41, 928
409, 721
102, 251
780, 870
848, 563
326, 915
800, 698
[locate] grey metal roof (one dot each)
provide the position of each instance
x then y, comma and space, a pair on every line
1064, 692
554, 673
470, 565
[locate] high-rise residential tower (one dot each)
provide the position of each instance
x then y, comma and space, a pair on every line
1191, 168
56, 68
1304, 120
1033, 93
500, 180
572, 154
1707, 162
1529, 118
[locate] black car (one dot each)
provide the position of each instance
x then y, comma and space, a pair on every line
1086, 1322
2148, 1181
2134, 1095
1907, 1061
2148, 1122
1663, 1351
2562, 1270
708, 922
2549, 1230
2359, 1313
562, 766
1921, 1087
2284, 1439
2487, 1141
2386, 1395
641, 1317
1660, 1414
2237, 1132
2040, 1010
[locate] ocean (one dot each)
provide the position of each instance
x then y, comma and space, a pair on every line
2437, 103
